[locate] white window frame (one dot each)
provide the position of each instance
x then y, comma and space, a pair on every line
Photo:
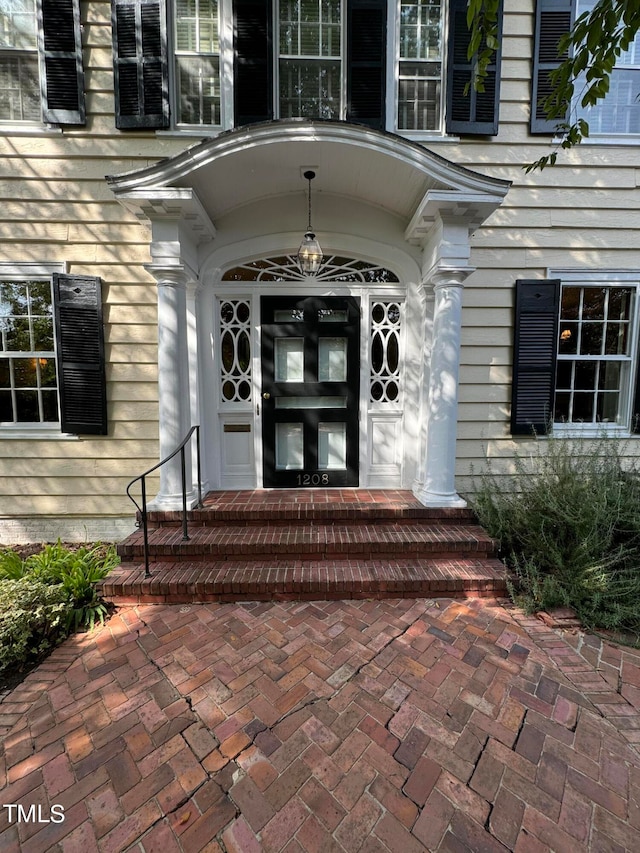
20, 272
31, 51
226, 66
605, 278
393, 73
342, 112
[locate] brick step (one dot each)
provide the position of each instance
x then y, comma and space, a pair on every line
257, 506
192, 582
251, 514
316, 541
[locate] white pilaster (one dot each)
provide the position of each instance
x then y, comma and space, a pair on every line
174, 404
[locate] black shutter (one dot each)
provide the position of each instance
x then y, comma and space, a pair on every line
60, 48
554, 18
366, 65
473, 112
141, 79
635, 414
253, 61
534, 356
80, 353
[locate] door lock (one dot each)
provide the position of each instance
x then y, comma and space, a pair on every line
266, 396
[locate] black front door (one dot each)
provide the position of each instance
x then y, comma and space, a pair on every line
310, 390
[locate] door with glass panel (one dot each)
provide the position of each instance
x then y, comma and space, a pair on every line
310, 391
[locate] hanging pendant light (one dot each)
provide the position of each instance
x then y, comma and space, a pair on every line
309, 254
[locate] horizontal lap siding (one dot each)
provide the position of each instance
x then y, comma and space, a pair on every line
55, 206
584, 212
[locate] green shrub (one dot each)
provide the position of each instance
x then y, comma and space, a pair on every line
54, 593
33, 616
571, 530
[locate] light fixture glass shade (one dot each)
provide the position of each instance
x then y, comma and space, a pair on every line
310, 254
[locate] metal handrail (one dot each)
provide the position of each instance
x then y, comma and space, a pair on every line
142, 510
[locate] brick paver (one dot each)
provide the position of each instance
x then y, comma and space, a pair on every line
401, 725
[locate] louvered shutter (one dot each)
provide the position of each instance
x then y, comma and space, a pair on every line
534, 357
141, 79
253, 65
80, 353
60, 48
366, 66
554, 18
474, 112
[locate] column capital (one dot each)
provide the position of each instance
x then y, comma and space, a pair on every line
170, 276
446, 276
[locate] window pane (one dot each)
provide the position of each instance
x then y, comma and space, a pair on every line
585, 376
42, 334
18, 338
289, 446
332, 446
568, 335
593, 303
583, 407
616, 338
18, 23
591, 338
289, 359
564, 375
25, 372
332, 360
19, 89
199, 88
49, 406
27, 406
571, 303
6, 407
609, 375
620, 303
309, 89
607, 410
418, 97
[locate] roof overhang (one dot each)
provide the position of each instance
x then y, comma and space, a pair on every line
206, 182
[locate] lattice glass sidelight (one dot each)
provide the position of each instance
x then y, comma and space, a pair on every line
235, 350
384, 377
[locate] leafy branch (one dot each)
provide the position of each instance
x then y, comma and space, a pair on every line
592, 48
587, 54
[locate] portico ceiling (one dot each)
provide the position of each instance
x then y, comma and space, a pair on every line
264, 161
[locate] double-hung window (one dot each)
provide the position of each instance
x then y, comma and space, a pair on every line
310, 59
595, 352
618, 113
576, 352
197, 62
28, 375
420, 49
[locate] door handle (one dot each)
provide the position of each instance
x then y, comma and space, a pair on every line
266, 396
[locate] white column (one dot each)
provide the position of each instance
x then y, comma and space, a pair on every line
436, 484
174, 406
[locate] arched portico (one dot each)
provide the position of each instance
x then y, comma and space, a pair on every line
379, 200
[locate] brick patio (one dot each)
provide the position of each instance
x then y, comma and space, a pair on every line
398, 725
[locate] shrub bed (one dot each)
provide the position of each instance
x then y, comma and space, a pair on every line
571, 530
46, 595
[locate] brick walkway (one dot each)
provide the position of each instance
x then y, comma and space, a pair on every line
401, 725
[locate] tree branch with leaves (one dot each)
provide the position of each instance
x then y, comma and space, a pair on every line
587, 54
